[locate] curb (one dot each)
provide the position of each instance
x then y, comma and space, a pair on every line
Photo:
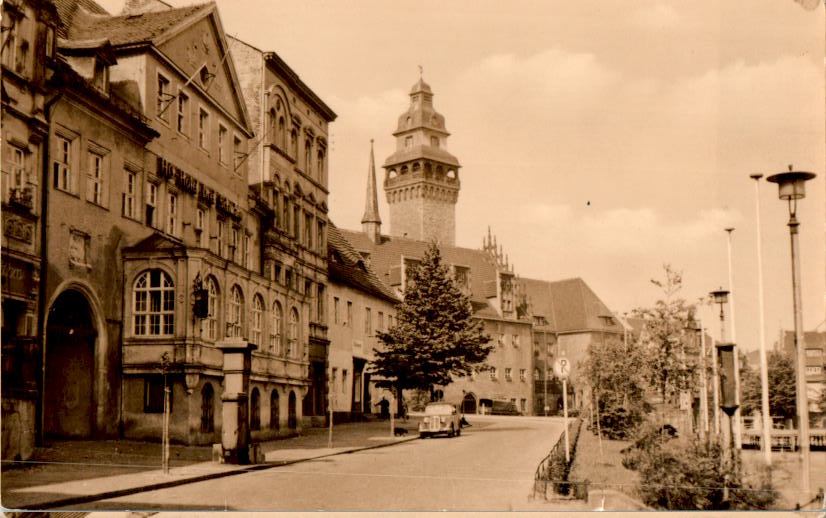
117, 493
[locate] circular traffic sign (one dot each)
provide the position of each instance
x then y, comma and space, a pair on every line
562, 368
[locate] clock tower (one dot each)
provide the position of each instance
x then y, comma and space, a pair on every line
421, 177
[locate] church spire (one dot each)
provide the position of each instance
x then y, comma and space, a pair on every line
371, 222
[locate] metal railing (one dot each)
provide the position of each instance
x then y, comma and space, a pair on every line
553, 470
785, 439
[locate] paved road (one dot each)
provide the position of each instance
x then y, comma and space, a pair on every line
490, 467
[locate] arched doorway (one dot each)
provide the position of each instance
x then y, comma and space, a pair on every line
68, 397
469, 404
292, 418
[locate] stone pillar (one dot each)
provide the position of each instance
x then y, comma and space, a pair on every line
235, 433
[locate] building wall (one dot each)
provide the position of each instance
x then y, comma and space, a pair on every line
506, 354
349, 339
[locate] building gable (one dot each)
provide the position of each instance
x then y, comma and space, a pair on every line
200, 50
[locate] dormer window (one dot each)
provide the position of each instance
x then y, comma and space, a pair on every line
101, 77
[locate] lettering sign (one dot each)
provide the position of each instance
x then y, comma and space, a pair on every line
17, 277
185, 182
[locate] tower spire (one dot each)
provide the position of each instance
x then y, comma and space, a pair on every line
371, 222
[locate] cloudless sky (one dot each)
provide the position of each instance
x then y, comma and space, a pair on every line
598, 138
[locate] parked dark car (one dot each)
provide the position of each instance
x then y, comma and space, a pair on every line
504, 408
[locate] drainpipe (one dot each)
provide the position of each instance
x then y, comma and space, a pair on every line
41, 300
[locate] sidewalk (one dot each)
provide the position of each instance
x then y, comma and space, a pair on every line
65, 473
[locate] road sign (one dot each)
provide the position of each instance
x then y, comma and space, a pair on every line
562, 368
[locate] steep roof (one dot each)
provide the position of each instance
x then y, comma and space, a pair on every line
68, 9
385, 259
131, 29
371, 199
347, 266
569, 305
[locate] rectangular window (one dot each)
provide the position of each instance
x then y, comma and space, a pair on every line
163, 99
203, 128
237, 154
368, 322
308, 288
296, 222
508, 374
63, 165
94, 179
285, 219
200, 227
493, 373
523, 374
18, 168
308, 230
320, 238
245, 256
380, 323
222, 141
320, 298
222, 225
523, 405
515, 340
288, 278
408, 141
343, 380
336, 303
172, 215
235, 252
153, 395
349, 313
277, 274
151, 203
129, 188
183, 113
335, 380
501, 339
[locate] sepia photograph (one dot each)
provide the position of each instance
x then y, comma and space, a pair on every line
439, 256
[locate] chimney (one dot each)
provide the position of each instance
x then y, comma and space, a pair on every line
136, 7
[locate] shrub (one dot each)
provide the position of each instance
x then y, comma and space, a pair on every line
618, 422
680, 475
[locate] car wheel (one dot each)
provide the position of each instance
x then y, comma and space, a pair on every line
459, 431
423, 435
452, 431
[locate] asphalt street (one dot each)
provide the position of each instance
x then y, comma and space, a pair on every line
490, 467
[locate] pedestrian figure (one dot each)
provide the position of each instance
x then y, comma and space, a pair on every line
384, 408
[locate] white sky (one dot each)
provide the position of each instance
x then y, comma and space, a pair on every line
598, 138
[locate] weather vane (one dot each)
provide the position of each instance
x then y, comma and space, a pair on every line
421, 70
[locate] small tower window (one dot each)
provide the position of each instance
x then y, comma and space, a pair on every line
434, 141
408, 141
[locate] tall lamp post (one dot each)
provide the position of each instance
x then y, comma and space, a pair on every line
791, 187
729, 402
766, 442
737, 422
697, 329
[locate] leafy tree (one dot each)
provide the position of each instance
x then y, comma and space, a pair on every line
782, 388
672, 356
435, 337
615, 371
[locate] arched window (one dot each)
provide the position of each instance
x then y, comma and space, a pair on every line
320, 165
292, 346
255, 409
235, 313
153, 304
271, 127
536, 374
282, 134
308, 153
294, 144
207, 409
275, 413
275, 329
212, 305
257, 320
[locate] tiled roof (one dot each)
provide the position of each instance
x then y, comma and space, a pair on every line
385, 259
67, 9
348, 267
569, 305
129, 29
421, 151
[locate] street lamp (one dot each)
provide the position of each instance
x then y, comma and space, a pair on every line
721, 297
726, 381
791, 187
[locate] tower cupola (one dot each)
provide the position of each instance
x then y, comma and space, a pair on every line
421, 179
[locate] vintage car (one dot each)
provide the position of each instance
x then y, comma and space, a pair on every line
440, 418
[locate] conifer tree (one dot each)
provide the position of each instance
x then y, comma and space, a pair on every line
435, 338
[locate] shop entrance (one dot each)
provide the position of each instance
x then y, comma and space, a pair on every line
68, 397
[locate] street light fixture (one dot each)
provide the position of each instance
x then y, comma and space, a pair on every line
791, 187
721, 297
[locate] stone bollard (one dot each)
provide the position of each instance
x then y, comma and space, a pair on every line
235, 432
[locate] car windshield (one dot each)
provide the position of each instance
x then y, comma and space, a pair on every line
438, 409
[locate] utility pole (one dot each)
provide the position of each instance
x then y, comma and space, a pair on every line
738, 442
166, 391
